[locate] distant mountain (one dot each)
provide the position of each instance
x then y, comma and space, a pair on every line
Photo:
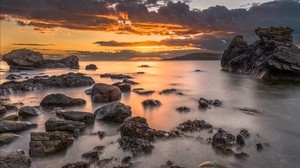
198, 56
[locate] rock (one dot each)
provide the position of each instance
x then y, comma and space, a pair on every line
170, 164
41, 76
28, 111
115, 112
196, 125
43, 143
53, 124
16, 159
25, 59
272, 58
88, 91
245, 133
2, 110
241, 156
259, 147
103, 93
151, 103
240, 140
115, 76
251, 111
168, 91
69, 80
140, 73
91, 67
80, 164
13, 77
101, 134
12, 117
91, 155
130, 82
6, 138
122, 86
141, 91
85, 117
126, 160
7, 126
183, 109
144, 66
60, 100
198, 70
222, 140
204, 103
211, 164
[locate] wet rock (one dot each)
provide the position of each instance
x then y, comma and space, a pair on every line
251, 111
43, 143
80, 164
25, 59
88, 91
142, 91
140, 73
6, 138
245, 133
103, 93
85, 117
69, 80
122, 86
240, 140
168, 91
115, 112
13, 77
53, 124
204, 103
7, 126
259, 147
28, 111
151, 103
144, 66
273, 57
196, 125
198, 70
222, 140
10, 107
241, 156
2, 110
115, 76
16, 159
12, 117
91, 67
91, 155
170, 164
126, 160
183, 109
60, 100
130, 82
101, 134
212, 164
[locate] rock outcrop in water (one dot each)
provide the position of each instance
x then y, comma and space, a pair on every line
60, 100
25, 59
115, 112
15, 160
273, 57
68, 80
103, 93
15, 126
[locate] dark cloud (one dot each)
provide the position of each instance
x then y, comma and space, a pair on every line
32, 44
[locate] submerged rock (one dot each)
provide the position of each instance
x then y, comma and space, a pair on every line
16, 159
222, 140
28, 111
142, 91
6, 138
60, 100
240, 140
273, 57
251, 111
43, 143
115, 76
103, 93
25, 59
115, 112
183, 109
129, 82
205, 103
7, 126
196, 125
151, 103
53, 124
168, 91
91, 67
259, 147
85, 117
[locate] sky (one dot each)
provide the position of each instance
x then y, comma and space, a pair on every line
125, 29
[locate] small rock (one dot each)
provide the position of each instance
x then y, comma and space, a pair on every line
222, 139
241, 156
12, 117
198, 70
91, 155
183, 109
80, 164
124, 87
101, 134
151, 103
144, 66
85, 117
13, 77
28, 111
130, 82
245, 133
115, 76
168, 91
6, 138
60, 100
203, 103
259, 147
88, 92
141, 91
126, 160
196, 125
91, 67
140, 73
240, 140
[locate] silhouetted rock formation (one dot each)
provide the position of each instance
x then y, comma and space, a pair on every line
272, 57
25, 59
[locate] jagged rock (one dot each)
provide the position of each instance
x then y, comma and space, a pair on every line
273, 57
151, 103
28, 111
103, 93
7, 126
124, 87
43, 143
80, 164
60, 100
53, 124
211, 164
69, 80
196, 125
85, 117
16, 159
115, 76
115, 112
25, 59
6, 138
91, 67
13, 77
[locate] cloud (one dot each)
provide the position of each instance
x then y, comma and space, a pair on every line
32, 44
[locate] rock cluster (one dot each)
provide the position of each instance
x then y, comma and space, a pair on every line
273, 57
25, 59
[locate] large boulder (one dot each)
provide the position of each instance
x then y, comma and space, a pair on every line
28, 111
115, 112
60, 100
43, 143
25, 59
16, 159
7, 126
6, 138
103, 93
273, 57
85, 117
53, 124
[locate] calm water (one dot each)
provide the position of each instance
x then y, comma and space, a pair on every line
278, 126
